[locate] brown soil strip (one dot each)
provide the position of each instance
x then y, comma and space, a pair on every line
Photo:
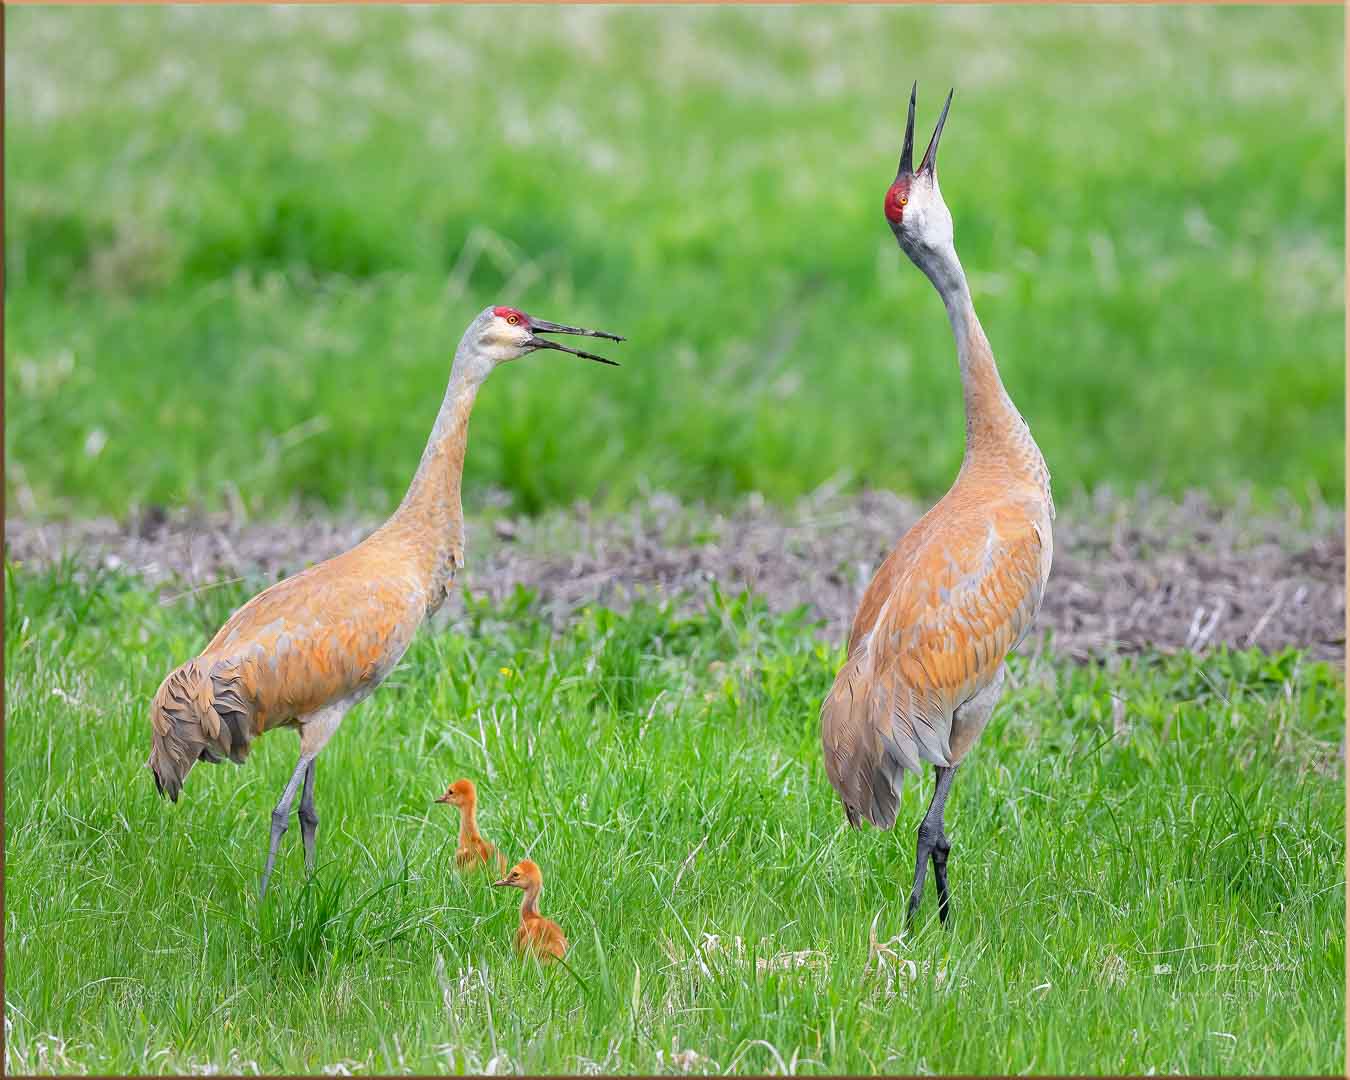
1129, 575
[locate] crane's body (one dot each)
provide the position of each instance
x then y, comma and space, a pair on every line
299, 654
303, 652
925, 664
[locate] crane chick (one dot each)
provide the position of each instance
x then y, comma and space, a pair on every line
302, 653
473, 852
536, 936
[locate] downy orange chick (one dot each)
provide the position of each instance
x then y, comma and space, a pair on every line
537, 936
473, 852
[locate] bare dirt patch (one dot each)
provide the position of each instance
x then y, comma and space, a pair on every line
1129, 575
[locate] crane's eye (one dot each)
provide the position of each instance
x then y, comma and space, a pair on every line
513, 319
900, 200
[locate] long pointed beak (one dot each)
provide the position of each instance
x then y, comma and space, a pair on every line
443, 798
502, 882
540, 326
929, 163
907, 153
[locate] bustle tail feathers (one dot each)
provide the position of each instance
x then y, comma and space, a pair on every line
874, 729
197, 715
866, 778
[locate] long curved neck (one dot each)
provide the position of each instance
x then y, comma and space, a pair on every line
991, 417
530, 904
432, 505
468, 824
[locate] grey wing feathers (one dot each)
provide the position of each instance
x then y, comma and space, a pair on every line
871, 733
199, 713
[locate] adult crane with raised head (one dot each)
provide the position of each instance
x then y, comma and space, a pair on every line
925, 664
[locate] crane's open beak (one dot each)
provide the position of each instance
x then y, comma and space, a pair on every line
539, 326
929, 163
907, 151
444, 798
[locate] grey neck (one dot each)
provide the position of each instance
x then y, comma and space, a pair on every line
987, 404
944, 270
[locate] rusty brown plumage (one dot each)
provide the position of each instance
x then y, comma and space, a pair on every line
944, 609
302, 653
536, 935
473, 852
925, 663
325, 637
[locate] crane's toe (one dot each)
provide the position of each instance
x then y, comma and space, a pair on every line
941, 848
309, 828
935, 848
309, 819
280, 823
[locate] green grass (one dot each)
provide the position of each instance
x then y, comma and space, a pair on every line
1171, 900
241, 246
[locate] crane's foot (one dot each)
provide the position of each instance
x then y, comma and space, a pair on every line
933, 844
281, 819
280, 823
940, 851
914, 898
933, 848
309, 828
309, 820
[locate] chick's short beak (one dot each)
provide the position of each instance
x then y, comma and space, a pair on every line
540, 326
502, 882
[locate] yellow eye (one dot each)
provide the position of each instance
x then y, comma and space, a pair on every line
902, 200
512, 320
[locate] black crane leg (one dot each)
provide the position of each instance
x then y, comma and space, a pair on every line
933, 844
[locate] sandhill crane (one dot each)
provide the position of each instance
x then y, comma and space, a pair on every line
473, 852
303, 652
925, 662
536, 935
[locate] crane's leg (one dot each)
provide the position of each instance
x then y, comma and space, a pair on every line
968, 721
933, 844
315, 730
281, 817
941, 848
309, 820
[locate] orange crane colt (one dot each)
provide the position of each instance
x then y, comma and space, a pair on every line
536, 936
925, 663
302, 653
473, 852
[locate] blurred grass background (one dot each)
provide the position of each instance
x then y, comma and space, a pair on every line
242, 245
